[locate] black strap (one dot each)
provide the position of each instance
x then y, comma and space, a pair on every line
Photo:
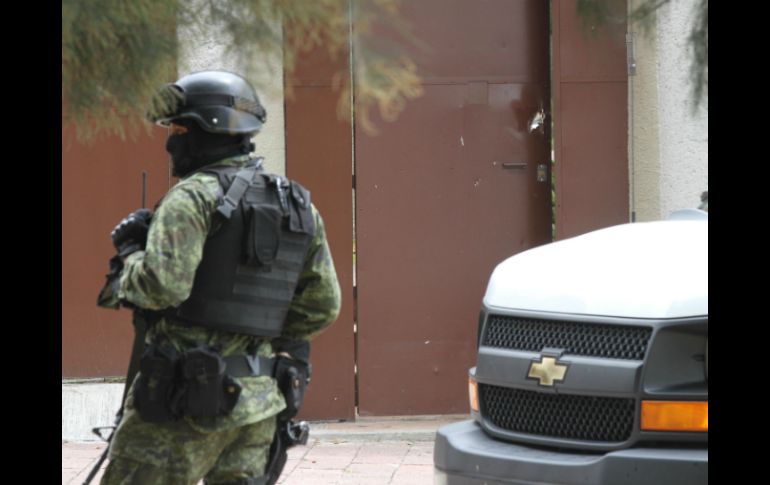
234, 194
277, 458
248, 366
237, 102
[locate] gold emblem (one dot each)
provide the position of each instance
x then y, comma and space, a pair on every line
547, 371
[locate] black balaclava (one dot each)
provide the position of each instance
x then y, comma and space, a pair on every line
197, 148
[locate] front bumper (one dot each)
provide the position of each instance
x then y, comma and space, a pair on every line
465, 455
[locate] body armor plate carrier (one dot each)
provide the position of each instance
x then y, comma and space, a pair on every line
251, 263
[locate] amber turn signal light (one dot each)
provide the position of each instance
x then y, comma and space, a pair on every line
675, 416
473, 394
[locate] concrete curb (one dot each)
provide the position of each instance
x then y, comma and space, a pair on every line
391, 428
337, 437
87, 405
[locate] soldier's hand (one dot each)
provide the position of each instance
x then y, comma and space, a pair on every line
131, 233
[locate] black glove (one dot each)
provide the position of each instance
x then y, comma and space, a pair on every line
131, 234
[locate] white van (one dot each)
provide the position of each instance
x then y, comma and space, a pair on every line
592, 365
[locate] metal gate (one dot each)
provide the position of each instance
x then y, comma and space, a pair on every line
456, 185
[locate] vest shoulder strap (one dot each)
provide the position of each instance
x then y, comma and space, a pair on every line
234, 194
235, 186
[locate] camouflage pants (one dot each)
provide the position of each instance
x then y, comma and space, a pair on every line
175, 453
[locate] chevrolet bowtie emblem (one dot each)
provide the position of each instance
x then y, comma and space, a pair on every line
547, 371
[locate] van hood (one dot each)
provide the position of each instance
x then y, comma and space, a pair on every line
637, 270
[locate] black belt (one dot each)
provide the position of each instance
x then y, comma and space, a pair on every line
248, 366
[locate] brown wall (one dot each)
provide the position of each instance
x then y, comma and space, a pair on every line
591, 121
101, 184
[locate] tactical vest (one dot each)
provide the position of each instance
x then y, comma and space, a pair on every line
251, 263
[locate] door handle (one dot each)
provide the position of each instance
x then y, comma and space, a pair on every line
542, 169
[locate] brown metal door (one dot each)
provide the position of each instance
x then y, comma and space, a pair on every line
444, 194
591, 118
318, 155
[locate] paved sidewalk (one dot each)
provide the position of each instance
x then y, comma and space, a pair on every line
368, 452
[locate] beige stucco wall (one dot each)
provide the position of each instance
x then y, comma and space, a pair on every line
668, 143
202, 51
643, 143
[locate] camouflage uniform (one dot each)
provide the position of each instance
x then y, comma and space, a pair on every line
223, 449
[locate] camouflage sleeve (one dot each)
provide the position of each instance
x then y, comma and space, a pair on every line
162, 275
317, 300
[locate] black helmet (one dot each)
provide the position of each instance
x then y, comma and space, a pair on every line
220, 101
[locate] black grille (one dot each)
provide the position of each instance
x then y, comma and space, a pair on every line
577, 338
558, 415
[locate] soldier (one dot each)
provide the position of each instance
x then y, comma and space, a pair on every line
234, 274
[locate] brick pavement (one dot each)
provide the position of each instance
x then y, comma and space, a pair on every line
321, 462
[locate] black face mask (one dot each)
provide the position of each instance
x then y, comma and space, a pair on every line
197, 148
178, 146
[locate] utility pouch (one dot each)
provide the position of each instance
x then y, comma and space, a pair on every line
206, 390
292, 377
301, 215
155, 386
262, 236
